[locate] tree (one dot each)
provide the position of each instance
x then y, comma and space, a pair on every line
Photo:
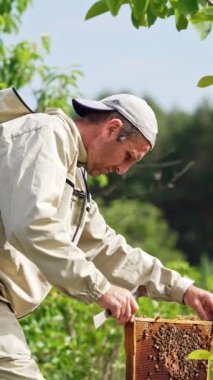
143, 226
21, 63
11, 13
146, 12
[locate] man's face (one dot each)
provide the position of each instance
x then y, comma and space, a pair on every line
106, 154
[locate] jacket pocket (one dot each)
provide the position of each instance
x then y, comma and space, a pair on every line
78, 204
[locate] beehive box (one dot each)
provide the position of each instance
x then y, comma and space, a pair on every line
156, 349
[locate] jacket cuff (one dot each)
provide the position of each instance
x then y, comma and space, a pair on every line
93, 292
180, 288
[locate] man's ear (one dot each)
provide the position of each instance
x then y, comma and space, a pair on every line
114, 126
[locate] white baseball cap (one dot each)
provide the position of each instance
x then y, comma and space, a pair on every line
134, 109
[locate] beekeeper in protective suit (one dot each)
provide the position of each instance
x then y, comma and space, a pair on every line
51, 231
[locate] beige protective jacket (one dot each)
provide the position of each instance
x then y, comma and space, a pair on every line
51, 231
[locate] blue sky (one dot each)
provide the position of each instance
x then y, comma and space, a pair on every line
159, 62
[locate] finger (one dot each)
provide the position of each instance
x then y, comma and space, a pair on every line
208, 306
132, 318
115, 308
131, 309
134, 305
117, 311
124, 308
199, 310
127, 313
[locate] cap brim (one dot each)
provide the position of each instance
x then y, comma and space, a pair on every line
83, 106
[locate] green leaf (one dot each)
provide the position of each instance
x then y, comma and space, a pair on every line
22, 5
135, 21
151, 17
159, 8
205, 81
174, 3
181, 21
203, 15
97, 9
207, 11
143, 19
139, 8
203, 29
200, 355
45, 41
187, 7
114, 6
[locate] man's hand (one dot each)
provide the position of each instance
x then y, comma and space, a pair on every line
120, 302
200, 301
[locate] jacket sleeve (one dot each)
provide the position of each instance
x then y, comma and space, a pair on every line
126, 266
34, 167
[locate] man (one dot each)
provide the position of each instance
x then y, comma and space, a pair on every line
51, 231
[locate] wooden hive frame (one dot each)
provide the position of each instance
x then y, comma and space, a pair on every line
156, 349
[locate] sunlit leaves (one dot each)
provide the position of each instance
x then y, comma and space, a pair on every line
57, 87
21, 63
10, 14
146, 12
22, 5
18, 64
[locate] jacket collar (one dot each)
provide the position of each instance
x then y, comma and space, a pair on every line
82, 155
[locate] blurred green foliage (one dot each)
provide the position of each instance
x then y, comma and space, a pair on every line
67, 346
143, 225
20, 64
10, 15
